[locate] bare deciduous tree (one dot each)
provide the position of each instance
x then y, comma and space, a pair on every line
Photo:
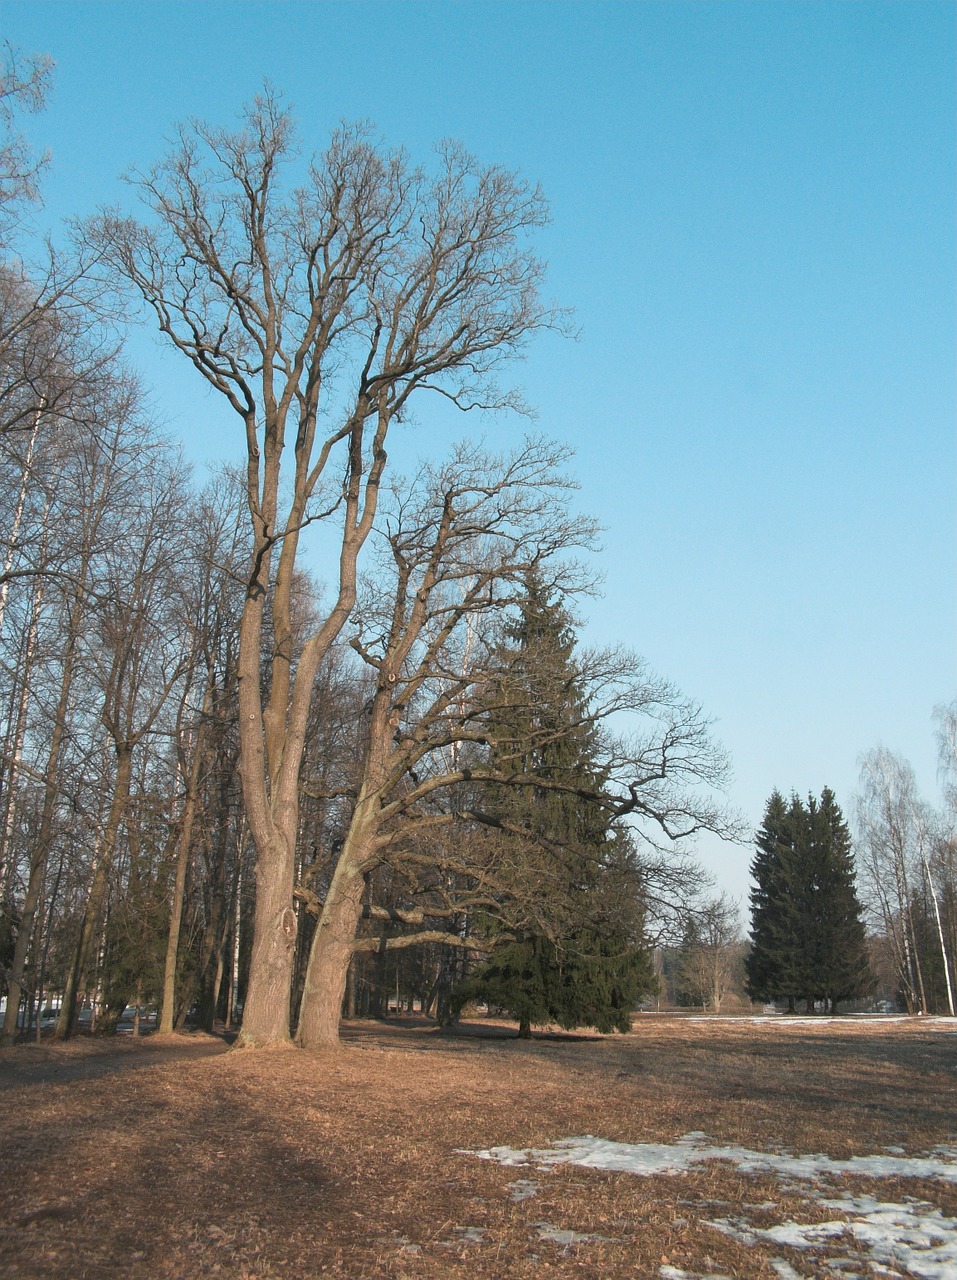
211, 575
24, 84
143, 652
318, 312
460, 549
895, 853
85, 482
711, 953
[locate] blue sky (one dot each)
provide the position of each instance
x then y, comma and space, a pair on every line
753, 219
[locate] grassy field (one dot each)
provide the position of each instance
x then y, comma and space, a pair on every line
174, 1158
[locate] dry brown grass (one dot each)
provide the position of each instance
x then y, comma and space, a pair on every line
180, 1160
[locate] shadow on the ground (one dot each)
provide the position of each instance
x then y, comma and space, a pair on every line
424, 1030
88, 1057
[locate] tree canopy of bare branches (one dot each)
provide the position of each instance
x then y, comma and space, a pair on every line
318, 311
458, 550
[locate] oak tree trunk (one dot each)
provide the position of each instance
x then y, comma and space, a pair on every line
331, 955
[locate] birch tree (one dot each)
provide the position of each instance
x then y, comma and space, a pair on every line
893, 830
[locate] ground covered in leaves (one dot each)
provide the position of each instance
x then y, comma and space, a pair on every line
175, 1158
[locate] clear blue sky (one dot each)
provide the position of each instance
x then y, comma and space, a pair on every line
753, 218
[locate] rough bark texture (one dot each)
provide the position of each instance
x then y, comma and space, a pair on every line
329, 961
266, 1012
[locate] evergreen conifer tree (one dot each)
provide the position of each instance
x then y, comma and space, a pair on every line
765, 964
807, 932
837, 964
577, 956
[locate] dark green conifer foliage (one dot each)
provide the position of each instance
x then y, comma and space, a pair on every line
765, 962
578, 957
807, 934
837, 964
794, 922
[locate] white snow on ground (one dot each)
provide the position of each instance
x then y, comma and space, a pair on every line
914, 1235
523, 1189
650, 1158
469, 1235
675, 1273
560, 1236
824, 1020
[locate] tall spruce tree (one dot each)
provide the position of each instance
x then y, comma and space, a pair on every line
807, 932
836, 963
765, 963
576, 954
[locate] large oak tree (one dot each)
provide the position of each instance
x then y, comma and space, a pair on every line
317, 311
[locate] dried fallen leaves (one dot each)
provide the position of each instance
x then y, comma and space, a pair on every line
181, 1160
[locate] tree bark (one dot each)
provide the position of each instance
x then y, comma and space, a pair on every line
330, 957
38, 861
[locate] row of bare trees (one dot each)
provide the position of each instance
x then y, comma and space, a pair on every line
118, 669
118, 613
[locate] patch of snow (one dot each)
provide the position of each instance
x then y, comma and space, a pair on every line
523, 1189
784, 1269
469, 1235
560, 1236
914, 1235
925, 1022
651, 1158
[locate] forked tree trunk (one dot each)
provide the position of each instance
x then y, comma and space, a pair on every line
272, 813
333, 941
